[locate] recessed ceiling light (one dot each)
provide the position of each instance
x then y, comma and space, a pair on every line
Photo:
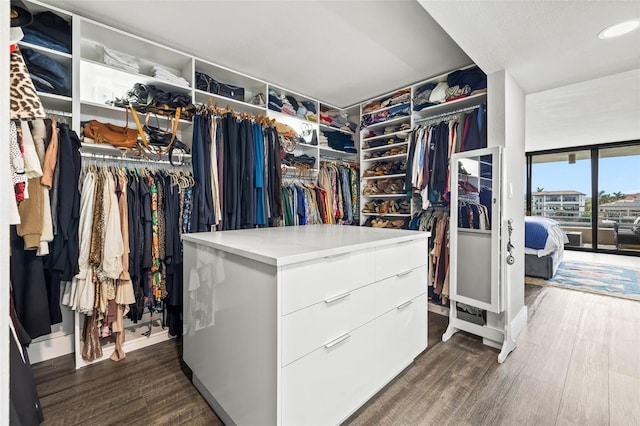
619, 29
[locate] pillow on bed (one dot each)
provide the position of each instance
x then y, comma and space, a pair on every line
536, 231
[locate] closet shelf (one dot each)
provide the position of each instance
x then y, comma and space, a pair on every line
384, 177
387, 158
388, 135
395, 120
383, 147
106, 72
295, 169
91, 109
387, 214
55, 102
334, 129
327, 149
452, 106
276, 114
113, 153
203, 97
49, 52
385, 195
306, 145
385, 108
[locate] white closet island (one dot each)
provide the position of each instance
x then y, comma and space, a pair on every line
301, 325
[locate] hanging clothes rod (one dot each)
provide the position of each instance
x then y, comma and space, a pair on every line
451, 114
57, 112
121, 158
329, 159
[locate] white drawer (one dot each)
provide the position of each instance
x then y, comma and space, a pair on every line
308, 329
326, 386
401, 336
306, 283
400, 257
400, 288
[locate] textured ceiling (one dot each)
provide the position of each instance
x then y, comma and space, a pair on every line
596, 111
543, 44
340, 52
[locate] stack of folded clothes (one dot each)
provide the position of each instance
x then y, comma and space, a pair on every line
171, 76
119, 60
474, 78
399, 97
275, 104
300, 160
339, 141
288, 107
48, 75
323, 140
288, 104
459, 84
49, 30
395, 105
311, 111
337, 119
421, 98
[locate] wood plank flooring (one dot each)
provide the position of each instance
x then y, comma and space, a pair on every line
148, 387
577, 362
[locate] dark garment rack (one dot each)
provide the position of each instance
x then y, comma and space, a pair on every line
444, 116
148, 162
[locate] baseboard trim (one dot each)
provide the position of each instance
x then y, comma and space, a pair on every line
519, 322
47, 349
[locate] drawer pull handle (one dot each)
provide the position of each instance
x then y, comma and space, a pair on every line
338, 340
333, 256
402, 274
404, 305
336, 298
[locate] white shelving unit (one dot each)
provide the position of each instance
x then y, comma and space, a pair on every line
252, 87
387, 140
398, 175
94, 84
326, 127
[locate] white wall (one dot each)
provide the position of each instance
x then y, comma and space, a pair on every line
505, 127
592, 112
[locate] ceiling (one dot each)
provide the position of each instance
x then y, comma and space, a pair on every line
543, 44
339, 52
344, 52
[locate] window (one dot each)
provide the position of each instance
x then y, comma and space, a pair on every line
619, 197
552, 193
562, 184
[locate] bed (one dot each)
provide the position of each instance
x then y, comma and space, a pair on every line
544, 241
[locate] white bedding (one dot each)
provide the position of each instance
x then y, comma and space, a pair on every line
556, 239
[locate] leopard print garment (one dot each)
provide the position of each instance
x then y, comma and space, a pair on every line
25, 102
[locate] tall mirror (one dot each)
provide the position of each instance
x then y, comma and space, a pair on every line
475, 228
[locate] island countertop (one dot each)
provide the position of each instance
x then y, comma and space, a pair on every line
293, 244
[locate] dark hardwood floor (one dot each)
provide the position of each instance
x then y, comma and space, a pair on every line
148, 387
577, 362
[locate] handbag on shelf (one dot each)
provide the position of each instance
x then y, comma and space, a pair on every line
107, 133
229, 91
206, 83
209, 84
148, 98
158, 141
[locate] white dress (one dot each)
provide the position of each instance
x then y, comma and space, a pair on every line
82, 293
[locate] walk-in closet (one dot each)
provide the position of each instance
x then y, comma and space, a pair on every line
278, 213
